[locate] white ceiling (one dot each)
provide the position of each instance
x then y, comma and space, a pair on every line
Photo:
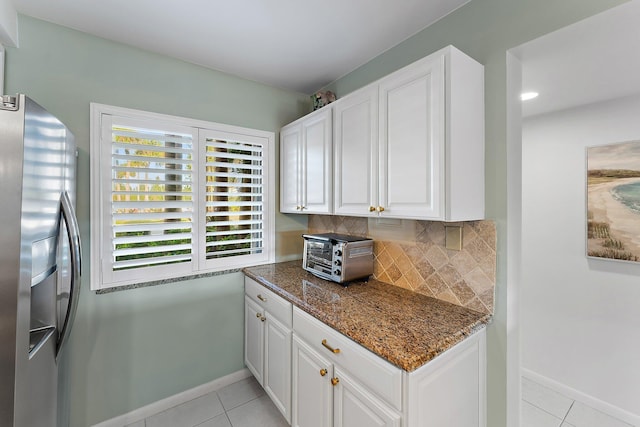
594, 60
292, 44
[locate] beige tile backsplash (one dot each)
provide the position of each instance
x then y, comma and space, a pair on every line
418, 260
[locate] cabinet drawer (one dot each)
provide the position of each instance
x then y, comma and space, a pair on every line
377, 374
269, 301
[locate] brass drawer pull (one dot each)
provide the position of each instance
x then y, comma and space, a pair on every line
261, 298
323, 372
331, 349
335, 381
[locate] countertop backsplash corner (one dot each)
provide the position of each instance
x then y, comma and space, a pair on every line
422, 263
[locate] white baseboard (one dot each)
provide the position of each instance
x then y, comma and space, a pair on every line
589, 400
171, 401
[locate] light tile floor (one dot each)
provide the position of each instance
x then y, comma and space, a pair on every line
245, 404
241, 404
543, 407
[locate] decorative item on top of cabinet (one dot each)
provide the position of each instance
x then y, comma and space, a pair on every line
322, 98
306, 164
411, 145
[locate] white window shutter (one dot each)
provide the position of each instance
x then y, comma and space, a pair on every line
233, 170
150, 212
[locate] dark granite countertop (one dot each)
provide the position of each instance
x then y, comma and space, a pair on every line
405, 328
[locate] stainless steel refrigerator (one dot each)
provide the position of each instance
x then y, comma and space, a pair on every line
39, 259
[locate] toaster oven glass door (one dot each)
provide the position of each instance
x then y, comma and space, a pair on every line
319, 256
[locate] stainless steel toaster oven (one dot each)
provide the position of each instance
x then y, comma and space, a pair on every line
338, 257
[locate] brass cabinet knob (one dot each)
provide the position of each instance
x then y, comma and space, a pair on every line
331, 349
258, 315
263, 318
372, 208
335, 381
323, 372
380, 209
298, 208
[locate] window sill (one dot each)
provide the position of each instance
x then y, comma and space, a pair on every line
166, 281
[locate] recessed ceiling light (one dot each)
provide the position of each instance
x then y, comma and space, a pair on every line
525, 96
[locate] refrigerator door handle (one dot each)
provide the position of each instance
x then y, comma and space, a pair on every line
73, 233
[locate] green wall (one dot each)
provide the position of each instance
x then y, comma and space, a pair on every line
131, 348
485, 30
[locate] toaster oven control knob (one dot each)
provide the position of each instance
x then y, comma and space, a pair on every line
337, 272
338, 252
338, 262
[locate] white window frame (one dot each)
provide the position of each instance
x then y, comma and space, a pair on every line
102, 276
1, 69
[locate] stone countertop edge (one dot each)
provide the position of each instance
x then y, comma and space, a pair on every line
403, 327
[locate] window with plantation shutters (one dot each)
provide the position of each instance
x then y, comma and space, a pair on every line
175, 197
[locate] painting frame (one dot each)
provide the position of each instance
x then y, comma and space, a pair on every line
612, 205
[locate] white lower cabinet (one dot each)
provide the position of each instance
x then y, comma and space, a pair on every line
318, 377
354, 405
268, 343
253, 338
450, 390
339, 383
326, 395
277, 365
312, 389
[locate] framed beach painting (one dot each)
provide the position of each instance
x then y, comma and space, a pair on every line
613, 201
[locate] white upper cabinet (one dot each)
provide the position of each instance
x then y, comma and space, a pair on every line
290, 168
463, 175
306, 164
411, 145
356, 152
411, 141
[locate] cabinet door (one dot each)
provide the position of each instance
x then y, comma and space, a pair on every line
355, 406
412, 142
254, 338
290, 168
316, 163
451, 389
356, 155
312, 390
277, 364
